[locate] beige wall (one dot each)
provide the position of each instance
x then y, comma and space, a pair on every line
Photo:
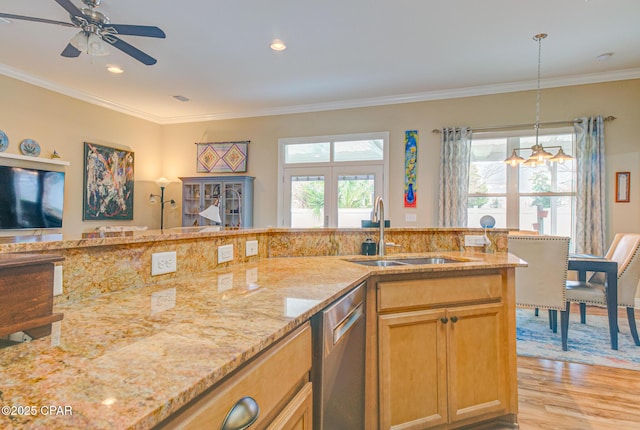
62, 123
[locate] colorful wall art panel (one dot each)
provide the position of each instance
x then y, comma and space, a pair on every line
222, 157
108, 183
410, 165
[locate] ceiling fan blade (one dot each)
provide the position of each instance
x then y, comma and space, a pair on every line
70, 7
137, 30
30, 18
128, 49
70, 51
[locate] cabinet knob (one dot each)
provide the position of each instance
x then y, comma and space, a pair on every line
444, 320
454, 319
244, 413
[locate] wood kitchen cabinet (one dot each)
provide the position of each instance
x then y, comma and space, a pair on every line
278, 380
443, 356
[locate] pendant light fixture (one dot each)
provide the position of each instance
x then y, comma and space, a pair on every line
538, 153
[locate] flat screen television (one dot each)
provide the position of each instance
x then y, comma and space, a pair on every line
30, 198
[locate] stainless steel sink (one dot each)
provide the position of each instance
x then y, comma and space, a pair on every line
428, 260
379, 263
407, 261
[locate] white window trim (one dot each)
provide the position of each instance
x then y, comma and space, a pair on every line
282, 142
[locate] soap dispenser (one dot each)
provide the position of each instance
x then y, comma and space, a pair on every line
368, 247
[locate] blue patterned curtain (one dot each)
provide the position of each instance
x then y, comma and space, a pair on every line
455, 153
590, 186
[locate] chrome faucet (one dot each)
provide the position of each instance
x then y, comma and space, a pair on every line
378, 216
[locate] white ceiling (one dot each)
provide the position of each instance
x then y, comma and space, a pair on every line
341, 53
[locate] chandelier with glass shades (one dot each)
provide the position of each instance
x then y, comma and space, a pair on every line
538, 152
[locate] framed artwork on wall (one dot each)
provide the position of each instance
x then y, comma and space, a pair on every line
108, 183
622, 187
222, 157
410, 167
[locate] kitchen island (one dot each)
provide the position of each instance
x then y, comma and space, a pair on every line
132, 358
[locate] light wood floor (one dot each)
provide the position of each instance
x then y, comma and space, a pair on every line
559, 395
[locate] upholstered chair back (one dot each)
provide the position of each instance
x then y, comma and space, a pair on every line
542, 283
625, 250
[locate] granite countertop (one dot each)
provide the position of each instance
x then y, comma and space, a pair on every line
130, 359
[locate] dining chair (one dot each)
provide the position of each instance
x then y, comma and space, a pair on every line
625, 250
541, 285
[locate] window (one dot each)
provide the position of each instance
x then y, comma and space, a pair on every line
538, 198
330, 181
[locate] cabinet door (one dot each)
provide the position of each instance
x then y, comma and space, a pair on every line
232, 204
298, 414
478, 371
191, 206
412, 366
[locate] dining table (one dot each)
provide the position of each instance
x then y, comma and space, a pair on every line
583, 263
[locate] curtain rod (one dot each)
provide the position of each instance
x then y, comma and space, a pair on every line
520, 126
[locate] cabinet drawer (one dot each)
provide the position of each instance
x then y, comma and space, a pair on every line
271, 380
418, 293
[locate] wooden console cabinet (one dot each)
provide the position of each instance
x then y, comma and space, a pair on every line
444, 358
26, 294
278, 380
232, 194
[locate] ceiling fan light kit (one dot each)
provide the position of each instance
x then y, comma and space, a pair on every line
90, 43
96, 31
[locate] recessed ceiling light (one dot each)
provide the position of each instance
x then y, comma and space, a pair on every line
278, 45
115, 69
605, 56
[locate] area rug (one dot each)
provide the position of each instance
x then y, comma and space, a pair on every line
587, 343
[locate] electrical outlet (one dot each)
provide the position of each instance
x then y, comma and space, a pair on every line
163, 262
473, 240
225, 253
251, 248
57, 281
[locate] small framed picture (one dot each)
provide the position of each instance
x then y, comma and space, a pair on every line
622, 187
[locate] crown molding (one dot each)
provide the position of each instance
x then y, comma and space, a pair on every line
343, 104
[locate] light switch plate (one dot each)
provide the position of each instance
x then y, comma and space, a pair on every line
225, 253
251, 248
410, 217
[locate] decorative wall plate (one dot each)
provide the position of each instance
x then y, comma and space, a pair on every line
30, 147
4, 141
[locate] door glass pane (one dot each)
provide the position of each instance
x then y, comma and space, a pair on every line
477, 207
307, 153
355, 199
358, 150
307, 201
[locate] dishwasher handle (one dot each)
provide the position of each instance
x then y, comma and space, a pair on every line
343, 328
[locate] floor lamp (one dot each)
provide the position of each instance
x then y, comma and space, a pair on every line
162, 183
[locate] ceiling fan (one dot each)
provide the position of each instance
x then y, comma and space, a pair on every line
95, 28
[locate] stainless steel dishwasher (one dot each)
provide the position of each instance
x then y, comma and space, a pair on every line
338, 363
